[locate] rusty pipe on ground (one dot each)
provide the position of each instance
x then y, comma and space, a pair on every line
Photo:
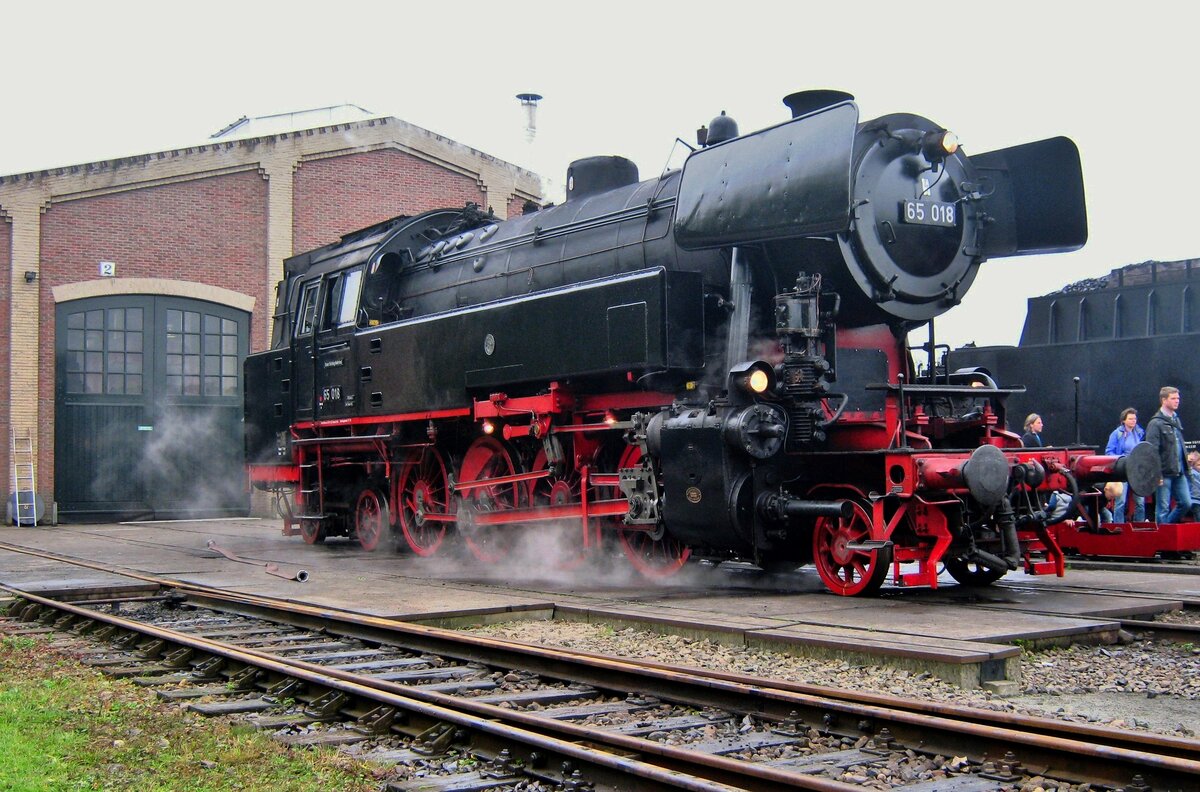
300, 575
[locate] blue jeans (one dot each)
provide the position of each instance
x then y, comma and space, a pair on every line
1172, 487
1139, 506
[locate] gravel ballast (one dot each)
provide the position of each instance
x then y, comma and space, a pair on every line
1138, 685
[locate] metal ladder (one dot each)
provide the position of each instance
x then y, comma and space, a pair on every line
24, 477
308, 488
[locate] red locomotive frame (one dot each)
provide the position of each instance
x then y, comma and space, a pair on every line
922, 481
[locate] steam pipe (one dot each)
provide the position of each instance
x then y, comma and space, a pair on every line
1008, 532
740, 287
1009, 543
781, 507
994, 563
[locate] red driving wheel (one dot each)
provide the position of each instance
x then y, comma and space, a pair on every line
423, 499
564, 538
312, 532
488, 458
845, 569
371, 517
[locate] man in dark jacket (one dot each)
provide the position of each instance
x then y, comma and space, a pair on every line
1165, 432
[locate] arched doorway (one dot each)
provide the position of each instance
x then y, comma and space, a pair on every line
148, 413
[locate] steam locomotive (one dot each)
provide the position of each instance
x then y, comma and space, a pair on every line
708, 364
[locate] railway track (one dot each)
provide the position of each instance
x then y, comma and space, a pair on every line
480, 713
1175, 566
1163, 631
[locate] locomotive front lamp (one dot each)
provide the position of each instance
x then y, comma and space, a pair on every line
936, 146
488, 427
756, 378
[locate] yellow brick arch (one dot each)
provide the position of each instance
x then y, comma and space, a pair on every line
104, 287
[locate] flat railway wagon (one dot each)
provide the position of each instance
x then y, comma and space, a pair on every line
1134, 321
707, 364
1137, 540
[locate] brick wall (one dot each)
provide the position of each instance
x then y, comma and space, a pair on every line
205, 230
5, 369
230, 228
210, 231
515, 206
336, 195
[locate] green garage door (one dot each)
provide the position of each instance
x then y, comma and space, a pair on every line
148, 415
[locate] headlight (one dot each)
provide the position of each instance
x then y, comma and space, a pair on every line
936, 146
754, 377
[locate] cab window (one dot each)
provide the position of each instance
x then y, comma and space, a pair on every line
382, 291
341, 309
307, 314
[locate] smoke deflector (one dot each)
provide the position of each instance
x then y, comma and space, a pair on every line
789, 180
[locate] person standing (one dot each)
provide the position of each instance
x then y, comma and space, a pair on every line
1121, 442
1193, 474
1165, 432
1033, 432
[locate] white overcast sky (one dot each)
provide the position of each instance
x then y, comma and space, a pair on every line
95, 80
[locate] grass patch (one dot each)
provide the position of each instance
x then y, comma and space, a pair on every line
64, 726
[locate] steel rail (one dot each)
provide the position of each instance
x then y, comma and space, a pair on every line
1067, 588
1049, 748
1056, 747
676, 768
1165, 744
1184, 633
699, 687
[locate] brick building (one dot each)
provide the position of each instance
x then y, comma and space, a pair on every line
137, 285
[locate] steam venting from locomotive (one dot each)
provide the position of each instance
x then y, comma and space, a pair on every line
709, 363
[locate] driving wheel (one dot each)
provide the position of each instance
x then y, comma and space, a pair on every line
488, 458
424, 503
845, 568
372, 517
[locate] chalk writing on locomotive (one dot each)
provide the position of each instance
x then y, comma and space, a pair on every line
708, 364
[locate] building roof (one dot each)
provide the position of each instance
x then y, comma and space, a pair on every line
287, 122
246, 135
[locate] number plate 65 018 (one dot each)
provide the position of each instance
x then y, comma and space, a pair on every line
932, 213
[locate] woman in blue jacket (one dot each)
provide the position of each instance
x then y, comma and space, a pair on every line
1121, 442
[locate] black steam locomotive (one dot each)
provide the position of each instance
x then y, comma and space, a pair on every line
711, 363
